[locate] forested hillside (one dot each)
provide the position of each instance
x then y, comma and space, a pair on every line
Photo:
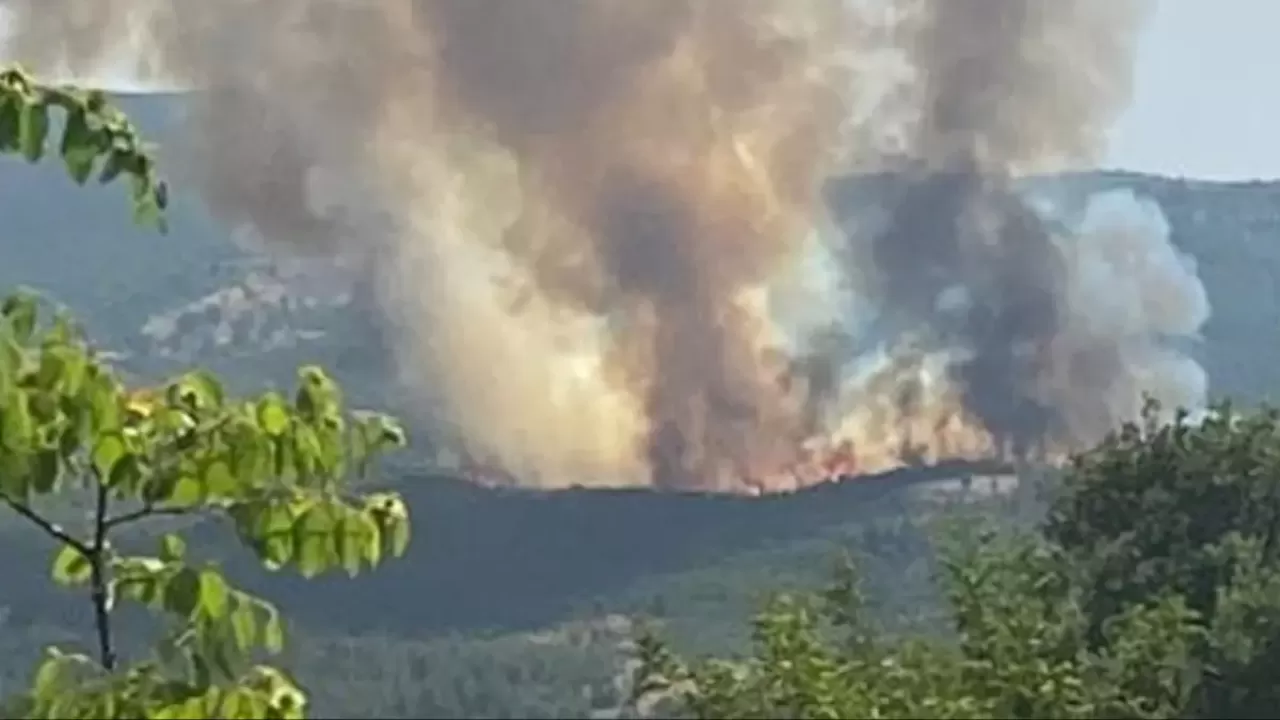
518, 603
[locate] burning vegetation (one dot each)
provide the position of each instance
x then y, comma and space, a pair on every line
597, 227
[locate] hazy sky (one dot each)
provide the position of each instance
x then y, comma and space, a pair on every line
1207, 95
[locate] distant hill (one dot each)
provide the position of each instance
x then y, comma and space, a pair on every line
220, 305
211, 301
497, 581
1233, 232
166, 302
510, 561
79, 245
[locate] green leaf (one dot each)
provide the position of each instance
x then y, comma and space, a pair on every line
49, 374
398, 535
289, 702
317, 394
172, 548
307, 451
353, 533
79, 145
213, 594
314, 541
104, 399
117, 162
45, 468
17, 427
243, 704
372, 547
218, 480
273, 414
391, 433
33, 130
57, 671
63, 368
127, 476
21, 311
182, 593
71, 567
285, 460
65, 332
244, 625
107, 452
10, 363
187, 492
197, 390
273, 630
392, 517
378, 432
9, 111
46, 682
15, 475
147, 212
141, 578
250, 456
273, 535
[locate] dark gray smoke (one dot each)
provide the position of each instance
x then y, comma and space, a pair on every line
579, 213
1005, 87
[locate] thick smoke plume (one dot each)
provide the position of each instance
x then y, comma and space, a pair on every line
1005, 87
592, 222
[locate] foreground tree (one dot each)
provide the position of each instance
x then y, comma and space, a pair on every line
1021, 654
1189, 510
1151, 590
276, 469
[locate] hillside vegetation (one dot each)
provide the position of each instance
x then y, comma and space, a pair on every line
524, 604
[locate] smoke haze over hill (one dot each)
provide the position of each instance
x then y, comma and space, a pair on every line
587, 217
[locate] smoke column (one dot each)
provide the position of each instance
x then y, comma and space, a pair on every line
1005, 87
583, 215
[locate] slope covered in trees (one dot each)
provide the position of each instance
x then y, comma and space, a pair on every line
1147, 592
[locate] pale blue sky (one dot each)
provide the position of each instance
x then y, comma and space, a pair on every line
1207, 92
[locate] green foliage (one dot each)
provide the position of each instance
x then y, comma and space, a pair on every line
1188, 510
96, 136
278, 470
1152, 590
1018, 652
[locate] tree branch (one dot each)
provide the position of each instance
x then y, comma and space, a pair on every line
144, 512
49, 528
173, 453
98, 580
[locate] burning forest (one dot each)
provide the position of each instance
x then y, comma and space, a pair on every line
598, 227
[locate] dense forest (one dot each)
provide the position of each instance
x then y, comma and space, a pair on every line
1139, 581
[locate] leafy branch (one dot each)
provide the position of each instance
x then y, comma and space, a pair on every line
145, 512
279, 469
95, 136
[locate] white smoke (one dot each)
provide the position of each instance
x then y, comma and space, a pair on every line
1134, 300
582, 215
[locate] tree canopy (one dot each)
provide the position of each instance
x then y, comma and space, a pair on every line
1150, 590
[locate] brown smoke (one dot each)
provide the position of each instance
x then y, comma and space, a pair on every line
580, 212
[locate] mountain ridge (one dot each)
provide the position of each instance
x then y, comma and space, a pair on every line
492, 570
